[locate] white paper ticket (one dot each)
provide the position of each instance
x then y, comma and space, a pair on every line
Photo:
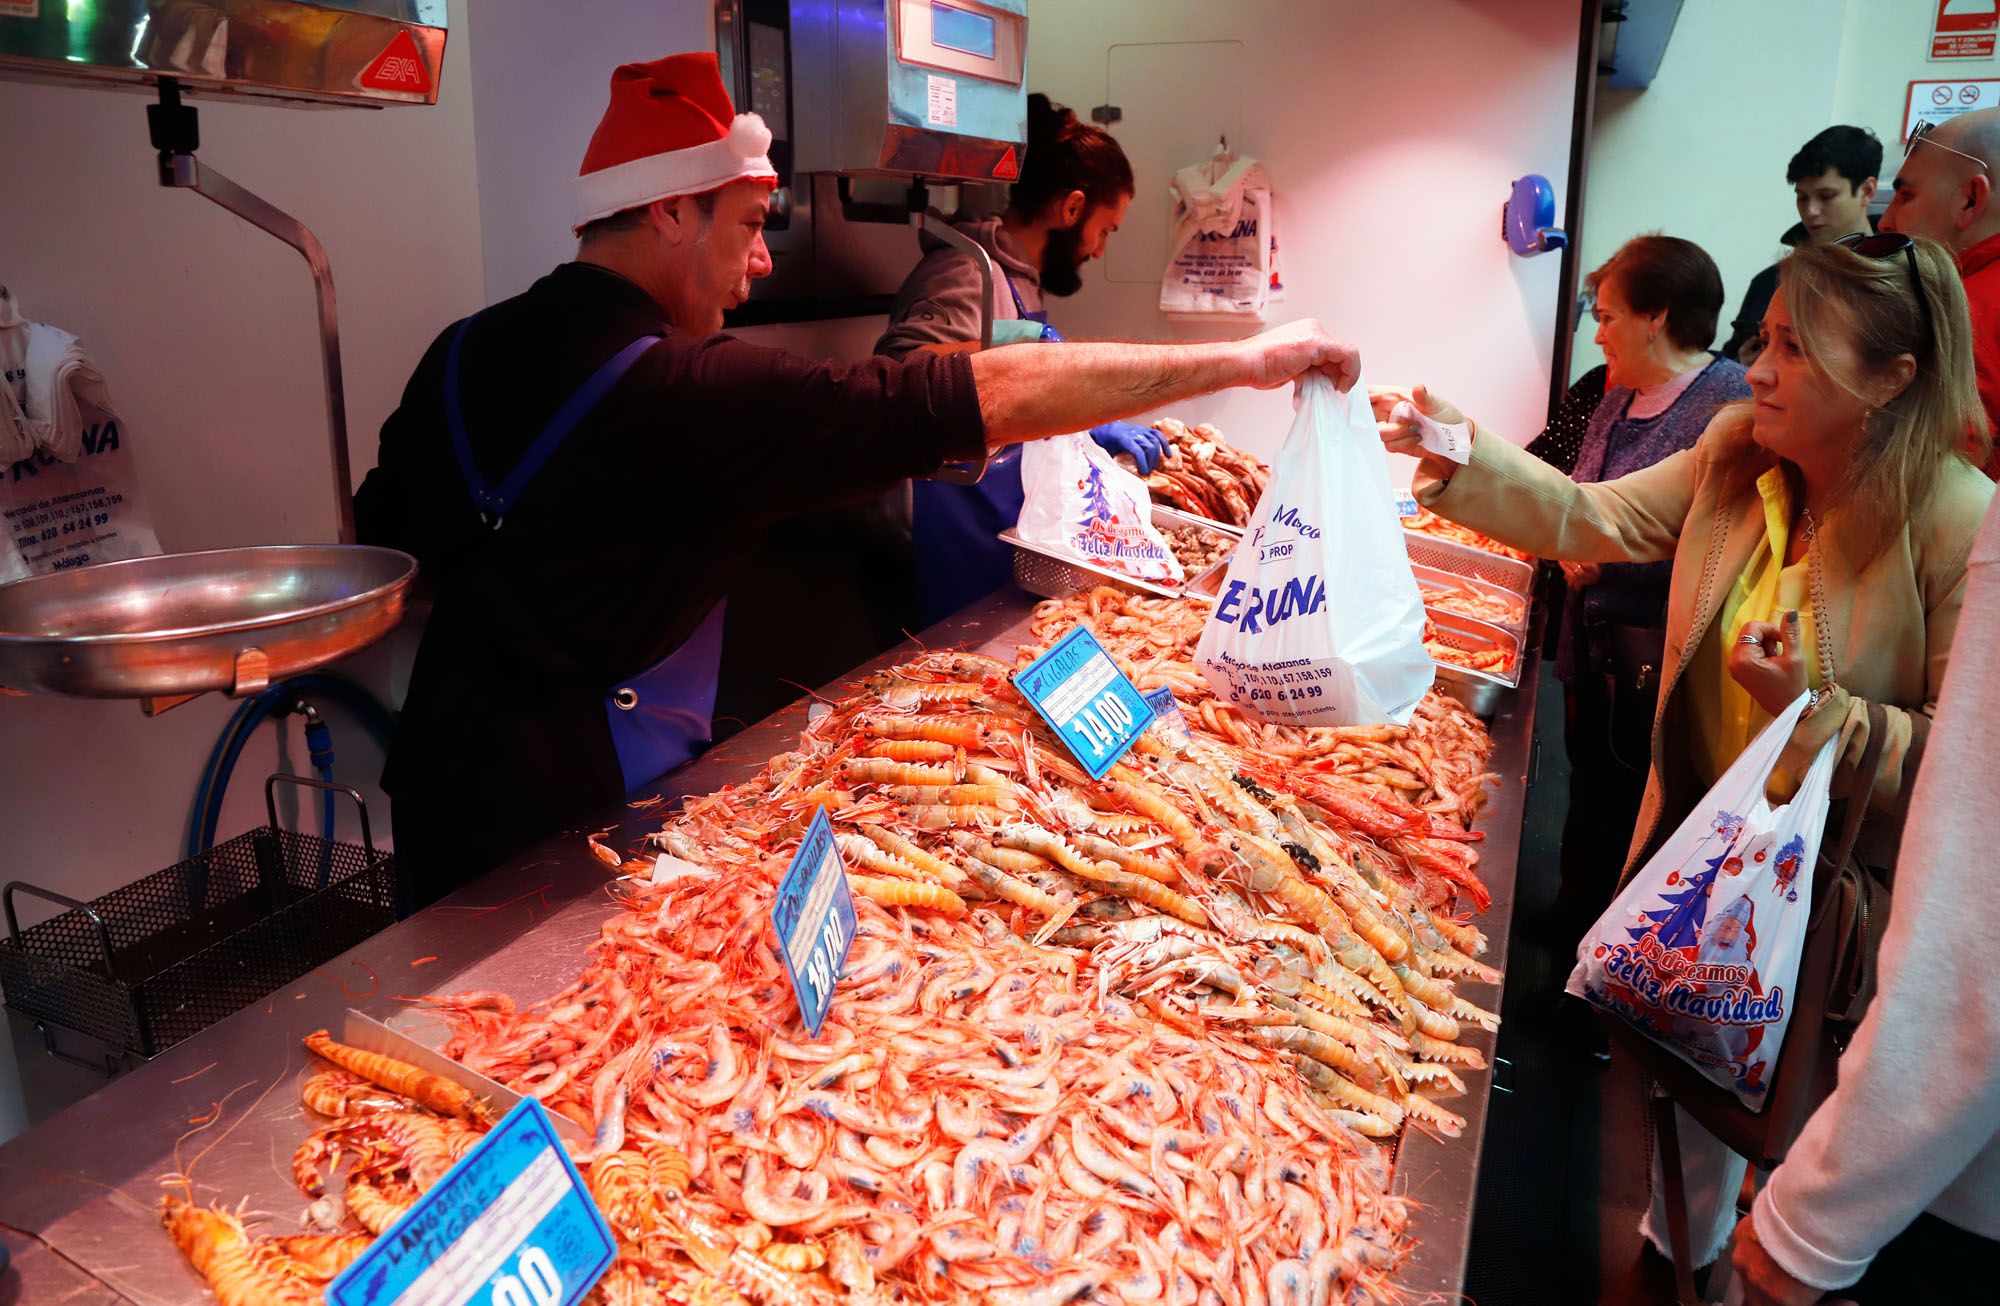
1451, 440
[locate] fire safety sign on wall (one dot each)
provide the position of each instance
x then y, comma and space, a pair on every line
1964, 29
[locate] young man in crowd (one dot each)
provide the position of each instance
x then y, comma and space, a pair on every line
1833, 179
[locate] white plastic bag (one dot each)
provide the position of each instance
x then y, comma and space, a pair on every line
1701, 950
1077, 500
1320, 622
69, 488
1224, 246
58, 515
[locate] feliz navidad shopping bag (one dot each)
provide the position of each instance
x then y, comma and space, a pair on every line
1700, 952
1075, 499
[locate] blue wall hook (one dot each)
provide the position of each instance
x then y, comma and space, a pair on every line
1527, 219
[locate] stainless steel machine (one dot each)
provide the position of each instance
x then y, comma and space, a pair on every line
881, 111
366, 52
253, 604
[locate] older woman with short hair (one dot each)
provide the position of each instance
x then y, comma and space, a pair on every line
1657, 301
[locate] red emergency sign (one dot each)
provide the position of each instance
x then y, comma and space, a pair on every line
1965, 29
400, 67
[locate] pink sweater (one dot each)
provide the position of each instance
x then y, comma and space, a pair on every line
1915, 1123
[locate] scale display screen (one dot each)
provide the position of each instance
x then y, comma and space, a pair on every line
962, 30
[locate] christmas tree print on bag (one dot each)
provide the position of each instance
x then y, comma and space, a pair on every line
1700, 951
1076, 500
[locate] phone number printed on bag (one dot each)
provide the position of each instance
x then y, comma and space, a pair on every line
510, 1225
1086, 699
814, 913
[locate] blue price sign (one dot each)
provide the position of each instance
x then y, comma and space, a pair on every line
1406, 504
814, 914
1168, 722
510, 1225
1082, 694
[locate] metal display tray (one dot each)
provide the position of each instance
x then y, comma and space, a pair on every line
79, 1204
1480, 691
1463, 560
1482, 588
1182, 517
1054, 575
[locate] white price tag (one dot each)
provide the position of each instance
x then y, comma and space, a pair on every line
1451, 440
941, 101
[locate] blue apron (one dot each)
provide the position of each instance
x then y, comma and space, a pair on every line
955, 528
662, 716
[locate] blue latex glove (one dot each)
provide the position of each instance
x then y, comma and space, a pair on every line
1145, 444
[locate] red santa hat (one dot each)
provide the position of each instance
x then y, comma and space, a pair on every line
669, 130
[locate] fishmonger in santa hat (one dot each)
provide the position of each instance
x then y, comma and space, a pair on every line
581, 471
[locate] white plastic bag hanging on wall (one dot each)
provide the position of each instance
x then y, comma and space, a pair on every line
1076, 500
1224, 242
1701, 951
69, 491
1320, 622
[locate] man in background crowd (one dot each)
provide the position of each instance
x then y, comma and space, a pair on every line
1944, 192
1833, 179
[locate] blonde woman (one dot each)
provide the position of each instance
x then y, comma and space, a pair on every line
1819, 538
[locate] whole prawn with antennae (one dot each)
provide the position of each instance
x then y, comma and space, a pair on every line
419, 1085
223, 1254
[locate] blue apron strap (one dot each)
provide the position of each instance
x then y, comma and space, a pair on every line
1049, 333
493, 504
454, 421
1020, 306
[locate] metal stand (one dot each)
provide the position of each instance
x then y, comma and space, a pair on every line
177, 135
925, 217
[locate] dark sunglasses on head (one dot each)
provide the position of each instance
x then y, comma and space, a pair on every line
1886, 245
1923, 132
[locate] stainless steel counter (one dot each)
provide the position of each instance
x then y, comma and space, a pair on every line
79, 1194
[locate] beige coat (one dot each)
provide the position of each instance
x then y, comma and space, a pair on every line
1885, 629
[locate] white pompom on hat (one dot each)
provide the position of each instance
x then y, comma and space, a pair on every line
669, 130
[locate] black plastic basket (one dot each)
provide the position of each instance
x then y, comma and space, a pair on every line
152, 963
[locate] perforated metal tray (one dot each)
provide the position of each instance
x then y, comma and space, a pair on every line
1179, 517
1057, 575
1433, 577
1464, 560
1478, 690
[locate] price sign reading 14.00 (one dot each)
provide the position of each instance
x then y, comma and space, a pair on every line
1087, 699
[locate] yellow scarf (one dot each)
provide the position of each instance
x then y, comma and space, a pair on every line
1765, 591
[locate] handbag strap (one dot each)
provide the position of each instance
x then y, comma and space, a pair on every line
1864, 790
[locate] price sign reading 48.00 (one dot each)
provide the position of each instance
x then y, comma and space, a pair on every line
1087, 699
510, 1225
814, 913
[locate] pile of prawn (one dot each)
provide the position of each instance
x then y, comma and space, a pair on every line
1204, 474
392, 1131
1426, 522
1435, 765
1141, 1039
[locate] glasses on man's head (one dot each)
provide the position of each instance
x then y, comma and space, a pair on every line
1922, 135
1886, 245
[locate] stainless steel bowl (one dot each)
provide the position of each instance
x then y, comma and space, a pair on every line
232, 620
